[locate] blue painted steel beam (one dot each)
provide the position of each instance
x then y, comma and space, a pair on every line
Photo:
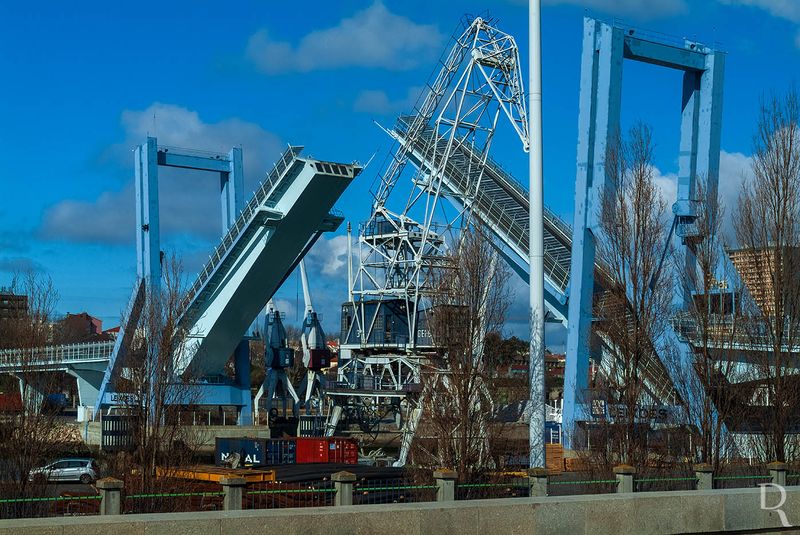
664, 55
232, 189
148, 158
604, 48
598, 122
170, 158
148, 237
241, 362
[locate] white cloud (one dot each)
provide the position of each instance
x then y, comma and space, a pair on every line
785, 9
329, 255
782, 9
734, 172
634, 9
378, 102
373, 37
189, 201
286, 307
668, 184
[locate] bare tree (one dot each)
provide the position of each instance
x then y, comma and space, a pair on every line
152, 391
708, 323
469, 299
31, 433
768, 233
634, 307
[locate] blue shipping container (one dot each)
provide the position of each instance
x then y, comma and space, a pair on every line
251, 451
281, 451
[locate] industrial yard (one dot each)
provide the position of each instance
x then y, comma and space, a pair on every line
499, 294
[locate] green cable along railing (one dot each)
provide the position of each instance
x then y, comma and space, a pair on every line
48, 499
665, 483
739, 480
174, 495
733, 478
49, 506
480, 485
663, 479
376, 491
273, 495
163, 502
399, 487
585, 482
288, 491
512, 488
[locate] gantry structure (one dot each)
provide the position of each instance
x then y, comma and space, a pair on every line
448, 139
262, 242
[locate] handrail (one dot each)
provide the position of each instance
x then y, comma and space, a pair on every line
494, 213
269, 183
57, 353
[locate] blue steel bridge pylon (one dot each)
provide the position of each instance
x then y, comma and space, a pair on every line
605, 47
262, 243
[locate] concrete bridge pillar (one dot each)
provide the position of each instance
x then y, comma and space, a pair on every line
777, 471
624, 474
705, 476
89, 377
343, 483
242, 371
445, 485
110, 495
31, 392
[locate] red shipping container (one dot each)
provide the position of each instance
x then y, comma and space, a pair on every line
342, 450
312, 450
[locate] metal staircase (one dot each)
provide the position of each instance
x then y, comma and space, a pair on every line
221, 261
496, 199
285, 217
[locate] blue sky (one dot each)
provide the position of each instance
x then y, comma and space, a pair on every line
85, 82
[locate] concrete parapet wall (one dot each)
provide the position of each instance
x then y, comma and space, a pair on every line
648, 512
202, 436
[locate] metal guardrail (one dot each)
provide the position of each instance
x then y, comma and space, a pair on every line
56, 354
494, 214
365, 491
278, 495
727, 332
259, 197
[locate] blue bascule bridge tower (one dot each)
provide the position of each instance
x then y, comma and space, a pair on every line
262, 243
605, 49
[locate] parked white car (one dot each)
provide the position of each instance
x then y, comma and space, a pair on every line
68, 469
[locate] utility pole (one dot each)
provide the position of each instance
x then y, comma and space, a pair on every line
536, 244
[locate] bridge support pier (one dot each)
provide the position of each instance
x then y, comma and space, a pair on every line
31, 392
605, 47
241, 358
89, 378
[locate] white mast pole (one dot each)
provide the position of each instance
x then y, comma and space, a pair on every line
536, 245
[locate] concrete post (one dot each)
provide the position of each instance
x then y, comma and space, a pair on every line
705, 476
343, 483
624, 474
777, 470
233, 487
445, 485
110, 495
537, 481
